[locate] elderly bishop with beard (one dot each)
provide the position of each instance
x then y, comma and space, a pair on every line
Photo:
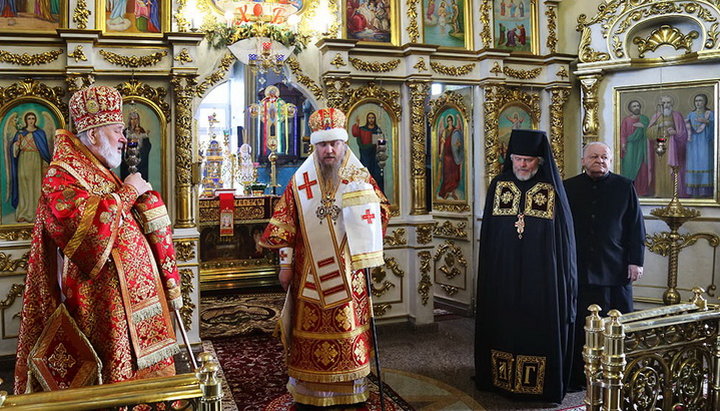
101, 276
527, 279
326, 317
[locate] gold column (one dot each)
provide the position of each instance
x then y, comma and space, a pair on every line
419, 93
592, 354
715, 377
492, 149
557, 134
184, 88
613, 363
590, 125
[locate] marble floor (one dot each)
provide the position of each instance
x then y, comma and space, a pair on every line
417, 360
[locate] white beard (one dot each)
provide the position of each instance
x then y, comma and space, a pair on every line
667, 112
111, 155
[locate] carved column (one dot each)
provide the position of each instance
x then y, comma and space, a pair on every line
551, 13
184, 89
590, 105
492, 149
557, 135
419, 93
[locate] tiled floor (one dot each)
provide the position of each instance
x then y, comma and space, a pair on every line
444, 355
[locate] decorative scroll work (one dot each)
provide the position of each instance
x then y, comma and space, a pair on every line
590, 105
447, 229
522, 74
424, 233
182, 23
183, 57
25, 59
186, 289
14, 235
425, 284
10, 265
396, 238
303, 79
418, 95
454, 262
30, 87
185, 250
391, 98
184, 89
133, 61
452, 70
557, 118
81, 14
374, 67
156, 95
216, 76
78, 54
485, 36
338, 61
420, 65
412, 28
551, 42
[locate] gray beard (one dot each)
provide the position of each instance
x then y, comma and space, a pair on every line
667, 112
330, 174
523, 178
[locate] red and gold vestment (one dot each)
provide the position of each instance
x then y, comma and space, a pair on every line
119, 277
327, 339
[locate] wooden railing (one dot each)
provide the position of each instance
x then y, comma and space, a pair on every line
665, 358
195, 391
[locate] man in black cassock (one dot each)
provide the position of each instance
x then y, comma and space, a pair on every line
527, 279
610, 235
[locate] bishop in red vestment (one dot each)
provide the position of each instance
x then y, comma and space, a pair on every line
103, 248
325, 320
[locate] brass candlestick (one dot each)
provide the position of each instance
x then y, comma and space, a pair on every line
669, 244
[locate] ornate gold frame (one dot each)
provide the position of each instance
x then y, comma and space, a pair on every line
448, 100
534, 30
100, 20
619, 113
497, 98
7, 106
468, 23
394, 24
127, 99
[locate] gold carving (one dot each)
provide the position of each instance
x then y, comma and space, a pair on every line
378, 276
374, 67
78, 54
665, 35
424, 233
562, 73
522, 74
590, 105
81, 14
393, 265
381, 309
216, 76
186, 289
389, 98
30, 59
184, 89
712, 36
454, 262
452, 70
551, 41
496, 69
449, 289
420, 65
156, 95
133, 61
396, 238
338, 61
557, 115
16, 290
184, 57
587, 53
8, 265
485, 36
185, 250
182, 23
14, 235
447, 229
412, 28
448, 98
303, 79
452, 208
32, 88
76, 81
336, 90
425, 284
496, 98
419, 92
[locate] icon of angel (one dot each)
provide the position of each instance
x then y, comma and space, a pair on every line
27, 155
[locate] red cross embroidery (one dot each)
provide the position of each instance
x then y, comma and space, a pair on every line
308, 185
283, 254
368, 216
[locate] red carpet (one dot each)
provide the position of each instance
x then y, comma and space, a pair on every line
255, 371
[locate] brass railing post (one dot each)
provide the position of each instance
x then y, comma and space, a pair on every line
592, 354
613, 363
209, 383
715, 374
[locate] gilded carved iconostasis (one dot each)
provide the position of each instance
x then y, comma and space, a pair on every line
217, 94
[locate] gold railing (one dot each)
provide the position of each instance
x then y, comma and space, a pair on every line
665, 358
195, 391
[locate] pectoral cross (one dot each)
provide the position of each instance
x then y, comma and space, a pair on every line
520, 225
328, 209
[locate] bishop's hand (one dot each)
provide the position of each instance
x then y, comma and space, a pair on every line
139, 184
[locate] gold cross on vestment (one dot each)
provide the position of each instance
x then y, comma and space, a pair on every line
520, 225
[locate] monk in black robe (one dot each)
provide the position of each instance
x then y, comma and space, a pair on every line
527, 279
